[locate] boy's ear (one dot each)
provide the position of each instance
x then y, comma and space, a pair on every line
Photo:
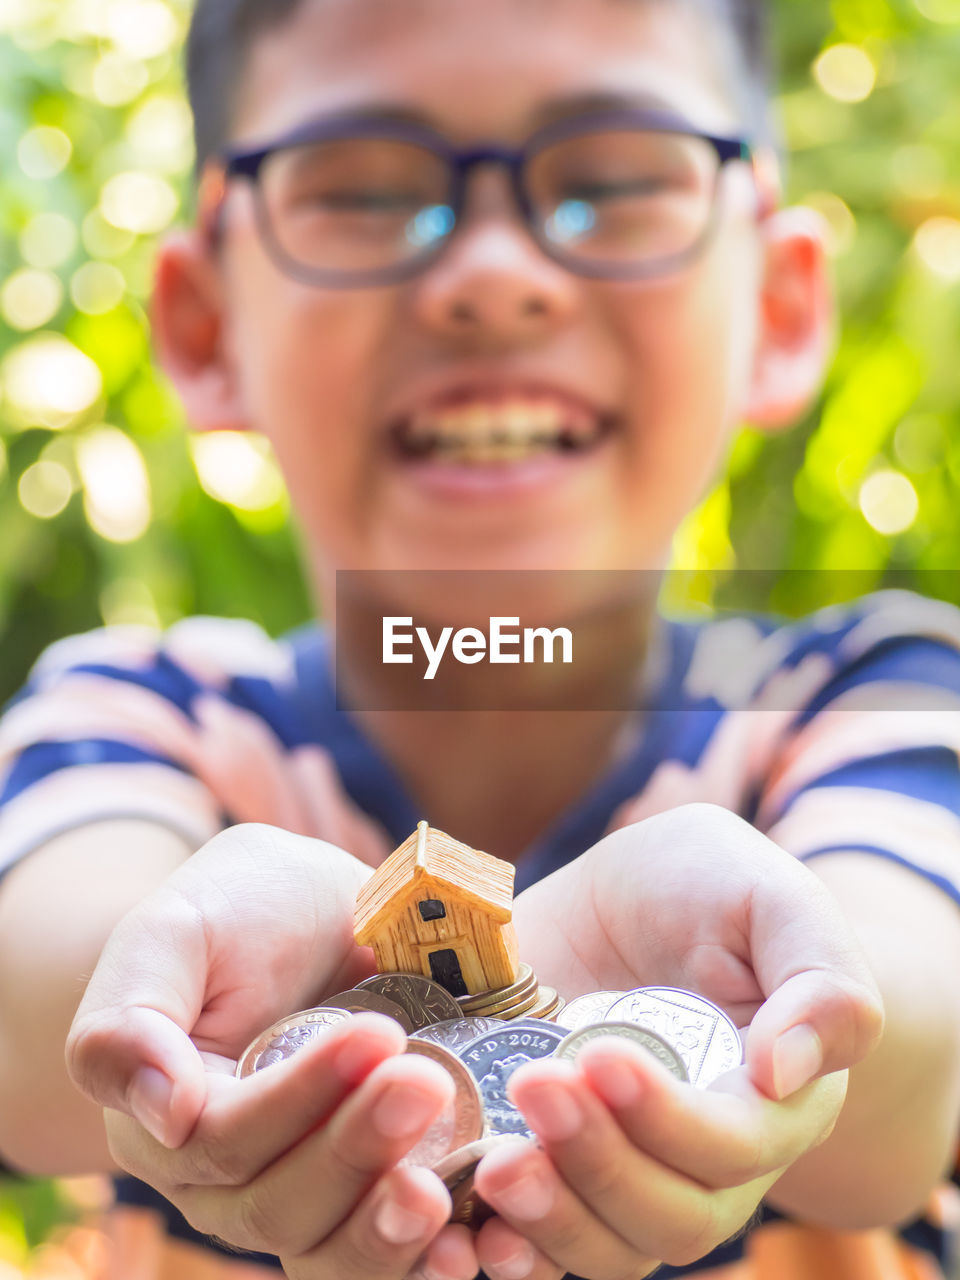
187, 320
795, 324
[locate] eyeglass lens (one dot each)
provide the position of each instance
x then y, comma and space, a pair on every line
616, 196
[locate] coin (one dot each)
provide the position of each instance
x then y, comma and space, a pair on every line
424, 1000
492, 1060
286, 1036
526, 980
703, 1035
586, 1009
456, 1033
661, 1049
456, 1172
357, 1001
461, 1122
506, 1010
548, 1004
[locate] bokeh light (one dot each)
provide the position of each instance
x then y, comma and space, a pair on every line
29, 298
43, 152
117, 79
238, 469
845, 72
48, 380
128, 602
48, 240
97, 287
937, 244
141, 28
116, 488
143, 203
44, 489
946, 11
889, 502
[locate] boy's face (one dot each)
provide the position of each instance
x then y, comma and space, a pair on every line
323, 372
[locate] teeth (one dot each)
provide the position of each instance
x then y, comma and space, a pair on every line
502, 432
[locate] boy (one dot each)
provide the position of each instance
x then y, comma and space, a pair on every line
337, 297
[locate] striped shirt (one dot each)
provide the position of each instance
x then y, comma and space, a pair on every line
837, 732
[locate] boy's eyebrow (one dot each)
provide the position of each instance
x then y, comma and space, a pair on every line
548, 112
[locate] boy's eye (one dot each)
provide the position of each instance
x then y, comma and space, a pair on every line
590, 191
363, 201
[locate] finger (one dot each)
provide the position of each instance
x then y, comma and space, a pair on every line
519, 1181
823, 1010
504, 1254
373, 1129
248, 1123
383, 1239
658, 1212
128, 1048
449, 1256
723, 1136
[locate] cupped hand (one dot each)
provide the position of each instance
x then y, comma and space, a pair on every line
298, 1160
697, 898
633, 1167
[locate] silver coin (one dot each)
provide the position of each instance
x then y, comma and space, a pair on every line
459, 1123
703, 1035
456, 1033
661, 1049
357, 1001
584, 1010
424, 1000
492, 1060
286, 1036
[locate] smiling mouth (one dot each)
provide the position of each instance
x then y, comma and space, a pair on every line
483, 434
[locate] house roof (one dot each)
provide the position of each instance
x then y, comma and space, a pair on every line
431, 856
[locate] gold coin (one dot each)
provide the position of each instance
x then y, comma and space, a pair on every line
514, 1009
462, 1122
548, 1003
526, 978
505, 999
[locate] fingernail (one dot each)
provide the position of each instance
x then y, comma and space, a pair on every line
529, 1198
398, 1225
614, 1080
401, 1111
797, 1057
150, 1096
553, 1111
517, 1266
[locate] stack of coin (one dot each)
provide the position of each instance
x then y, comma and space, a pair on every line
523, 998
481, 1040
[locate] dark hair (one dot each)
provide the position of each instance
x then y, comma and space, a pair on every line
223, 32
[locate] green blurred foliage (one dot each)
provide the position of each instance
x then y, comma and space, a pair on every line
108, 512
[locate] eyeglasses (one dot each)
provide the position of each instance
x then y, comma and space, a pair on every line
351, 202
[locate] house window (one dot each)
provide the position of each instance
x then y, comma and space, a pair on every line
432, 909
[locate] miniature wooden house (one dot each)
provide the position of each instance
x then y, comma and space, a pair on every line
440, 908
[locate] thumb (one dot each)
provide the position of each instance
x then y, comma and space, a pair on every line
128, 1047
815, 1023
823, 1010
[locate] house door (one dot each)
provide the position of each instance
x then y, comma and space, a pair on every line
445, 969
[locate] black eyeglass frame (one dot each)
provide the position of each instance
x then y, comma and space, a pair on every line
248, 163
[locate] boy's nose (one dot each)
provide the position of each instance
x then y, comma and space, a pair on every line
493, 282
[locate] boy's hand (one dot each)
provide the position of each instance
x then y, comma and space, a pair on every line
637, 1168
256, 924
